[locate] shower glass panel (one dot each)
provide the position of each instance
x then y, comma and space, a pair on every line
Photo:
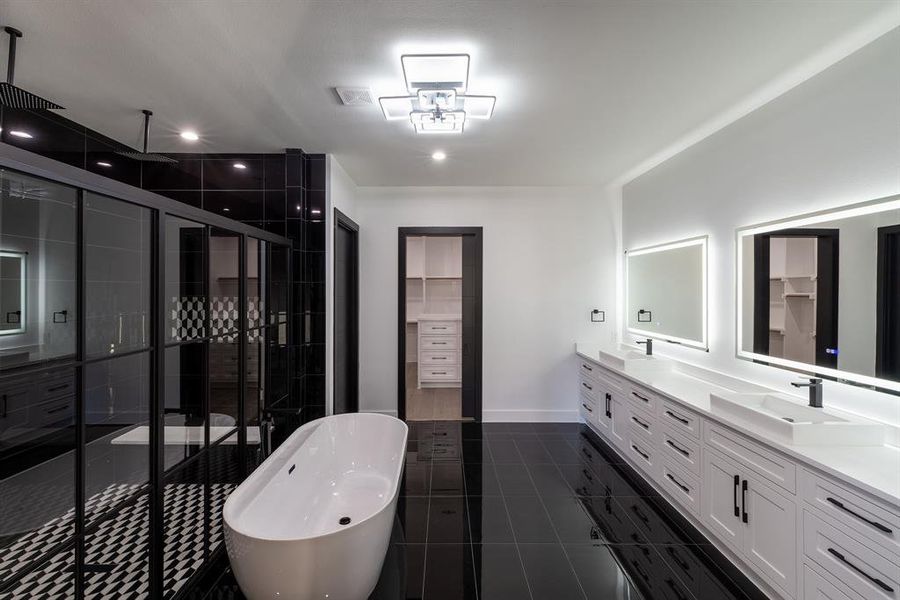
186, 295
185, 401
117, 552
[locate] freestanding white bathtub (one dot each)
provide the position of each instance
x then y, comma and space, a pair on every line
314, 520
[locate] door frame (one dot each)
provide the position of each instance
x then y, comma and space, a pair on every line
342, 221
884, 310
474, 340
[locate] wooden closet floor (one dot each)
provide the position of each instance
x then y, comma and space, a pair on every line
430, 404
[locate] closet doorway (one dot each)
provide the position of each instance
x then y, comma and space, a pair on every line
439, 318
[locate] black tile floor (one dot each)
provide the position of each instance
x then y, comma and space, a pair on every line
542, 511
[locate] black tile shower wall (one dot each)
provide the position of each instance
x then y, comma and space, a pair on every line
283, 193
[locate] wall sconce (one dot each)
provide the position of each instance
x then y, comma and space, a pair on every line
598, 316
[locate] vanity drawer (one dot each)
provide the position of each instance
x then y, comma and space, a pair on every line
874, 575
438, 327
435, 373
587, 369
816, 587
436, 342
685, 488
643, 399
51, 411
679, 418
56, 387
835, 503
609, 380
588, 387
641, 451
588, 408
438, 358
680, 450
643, 424
777, 469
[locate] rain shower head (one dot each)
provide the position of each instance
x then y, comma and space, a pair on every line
16, 97
146, 156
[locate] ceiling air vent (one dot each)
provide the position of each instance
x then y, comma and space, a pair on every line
352, 96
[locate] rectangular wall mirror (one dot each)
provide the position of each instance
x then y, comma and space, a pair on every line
666, 292
820, 294
12, 292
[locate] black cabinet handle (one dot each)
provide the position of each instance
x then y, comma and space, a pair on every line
737, 482
438, 343
639, 451
677, 418
678, 448
439, 372
874, 580
51, 411
3, 406
874, 524
584, 366
438, 358
588, 475
587, 386
636, 395
678, 560
587, 408
744, 514
608, 408
586, 453
58, 387
684, 488
641, 423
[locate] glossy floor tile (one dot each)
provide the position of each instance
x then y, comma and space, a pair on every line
536, 511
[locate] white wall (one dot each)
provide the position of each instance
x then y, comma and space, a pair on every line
831, 141
549, 258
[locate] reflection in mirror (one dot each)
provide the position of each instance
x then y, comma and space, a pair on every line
12, 292
821, 293
666, 292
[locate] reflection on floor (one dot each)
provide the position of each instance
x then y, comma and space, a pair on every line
430, 404
541, 511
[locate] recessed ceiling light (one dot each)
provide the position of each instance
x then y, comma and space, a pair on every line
100, 163
241, 166
438, 155
226, 210
21, 134
298, 207
190, 136
316, 211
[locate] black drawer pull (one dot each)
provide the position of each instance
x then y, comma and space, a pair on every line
641, 423
608, 406
681, 564
636, 395
683, 487
639, 451
737, 482
586, 367
438, 327
587, 386
439, 372
639, 514
671, 584
587, 408
677, 448
640, 571
744, 513
58, 387
586, 453
874, 580
874, 524
588, 475
438, 343
677, 418
52, 411
438, 358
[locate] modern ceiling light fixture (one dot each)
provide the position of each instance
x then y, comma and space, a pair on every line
239, 166
190, 136
439, 155
437, 101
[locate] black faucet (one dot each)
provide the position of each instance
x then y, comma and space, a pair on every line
815, 391
649, 343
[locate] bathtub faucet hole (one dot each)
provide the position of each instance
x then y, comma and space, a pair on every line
344, 520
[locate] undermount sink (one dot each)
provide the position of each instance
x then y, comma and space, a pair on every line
784, 418
630, 360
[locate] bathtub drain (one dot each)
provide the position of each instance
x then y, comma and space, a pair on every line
344, 520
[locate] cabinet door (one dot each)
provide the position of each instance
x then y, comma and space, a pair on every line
720, 500
619, 421
770, 538
603, 420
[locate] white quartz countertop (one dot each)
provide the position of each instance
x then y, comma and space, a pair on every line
874, 469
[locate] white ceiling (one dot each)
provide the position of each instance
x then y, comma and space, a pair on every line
586, 90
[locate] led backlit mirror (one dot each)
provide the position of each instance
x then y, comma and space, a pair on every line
12, 292
820, 293
666, 292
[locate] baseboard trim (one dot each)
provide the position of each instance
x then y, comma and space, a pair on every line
530, 416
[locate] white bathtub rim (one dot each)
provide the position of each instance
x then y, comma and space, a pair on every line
283, 449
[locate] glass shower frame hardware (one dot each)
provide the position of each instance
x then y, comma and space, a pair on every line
224, 458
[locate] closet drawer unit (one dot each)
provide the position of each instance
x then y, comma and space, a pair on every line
437, 343
682, 451
588, 387
682, 486
834, 503
438, 327
641, 451
429, 358
816, 587
587, 369
643, 399
679, 418
436, 373
873, 574
643, 424
777, 469
59, 386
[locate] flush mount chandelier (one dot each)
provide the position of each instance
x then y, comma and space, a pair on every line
437, 101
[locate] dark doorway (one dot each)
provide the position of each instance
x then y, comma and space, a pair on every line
346, 314
471, 315
887, 323
824, 280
